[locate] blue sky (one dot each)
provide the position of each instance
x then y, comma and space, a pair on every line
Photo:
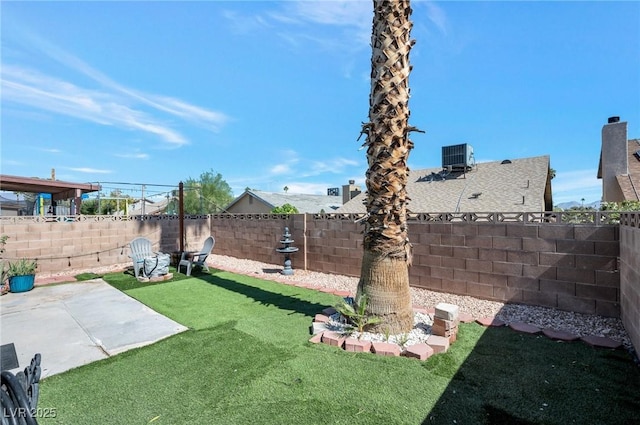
273, 94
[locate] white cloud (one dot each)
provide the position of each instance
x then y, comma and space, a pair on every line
112, 104
89, 170
31, 88
295, 19
334, 166
280, 169
132, 155
437, 16
575, 185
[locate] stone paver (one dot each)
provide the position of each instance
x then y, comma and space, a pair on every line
601, 341
525, 328
341, 293
419, 351
465, 317
329, 311
447, 311
559, 335
385, 349
418, 309
440, 344
318, 327
357, 346
321, 318
317, 338
490, 321
333, 338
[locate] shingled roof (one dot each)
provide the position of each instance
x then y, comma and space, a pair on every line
264, 202
517, 185
630, 182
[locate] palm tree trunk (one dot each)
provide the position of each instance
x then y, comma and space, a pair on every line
384, 277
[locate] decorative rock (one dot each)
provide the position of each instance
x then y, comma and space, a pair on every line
601, 341
490, 321
419, 351
357, 346
385, 349
446, 311
524, 327
329, 311
559, 335
333, 338
321, 318
439, 344
317, 338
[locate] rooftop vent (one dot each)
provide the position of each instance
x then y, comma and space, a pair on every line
613, 120
475, 195
506, 161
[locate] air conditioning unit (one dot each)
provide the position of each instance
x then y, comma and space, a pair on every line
458, 156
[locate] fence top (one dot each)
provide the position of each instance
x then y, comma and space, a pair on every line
631, 218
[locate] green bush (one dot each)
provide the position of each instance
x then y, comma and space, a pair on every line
285, 209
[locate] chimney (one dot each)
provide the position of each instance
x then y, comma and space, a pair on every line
350, 191
614, 159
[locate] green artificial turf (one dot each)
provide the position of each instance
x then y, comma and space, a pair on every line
246, 360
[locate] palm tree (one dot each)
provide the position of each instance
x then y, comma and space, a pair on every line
384, 278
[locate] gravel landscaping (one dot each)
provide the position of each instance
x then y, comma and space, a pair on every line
542, 317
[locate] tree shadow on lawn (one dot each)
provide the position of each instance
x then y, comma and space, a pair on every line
279, 300
522, 379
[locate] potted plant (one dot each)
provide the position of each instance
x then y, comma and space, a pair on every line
22, 274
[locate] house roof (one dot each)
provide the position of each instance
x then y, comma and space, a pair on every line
57, 188
303, 202
630, 183
510, 186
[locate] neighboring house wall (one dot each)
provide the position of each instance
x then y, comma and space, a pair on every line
247, 204
259, 202
630, 275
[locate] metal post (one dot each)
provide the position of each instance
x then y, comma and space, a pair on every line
181, 213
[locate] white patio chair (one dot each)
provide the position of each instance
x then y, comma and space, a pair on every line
190, 259
140, 249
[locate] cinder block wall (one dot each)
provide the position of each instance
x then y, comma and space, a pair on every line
94, 241
630, 279
255, 236
567, 266
570, 267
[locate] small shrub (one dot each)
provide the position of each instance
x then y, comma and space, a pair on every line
356, 313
